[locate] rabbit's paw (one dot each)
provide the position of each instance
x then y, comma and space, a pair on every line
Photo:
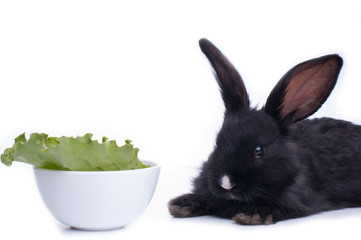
187, 205
254, 219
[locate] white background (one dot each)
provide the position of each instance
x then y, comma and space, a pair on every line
133, 69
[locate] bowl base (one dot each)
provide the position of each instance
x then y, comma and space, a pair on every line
95, 229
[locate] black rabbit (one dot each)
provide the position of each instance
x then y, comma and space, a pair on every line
270, 164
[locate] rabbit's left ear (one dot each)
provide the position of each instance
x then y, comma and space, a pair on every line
303, 90
233, 90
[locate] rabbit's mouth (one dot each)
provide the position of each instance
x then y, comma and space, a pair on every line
228, 189
237, 196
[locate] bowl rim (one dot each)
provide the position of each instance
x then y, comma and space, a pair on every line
153, 165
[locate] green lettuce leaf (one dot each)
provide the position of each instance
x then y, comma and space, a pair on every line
72, 154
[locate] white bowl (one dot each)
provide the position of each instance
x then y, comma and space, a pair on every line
97, 200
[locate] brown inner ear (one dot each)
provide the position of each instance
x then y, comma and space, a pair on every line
308, 88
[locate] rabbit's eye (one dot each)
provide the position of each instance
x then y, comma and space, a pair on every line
259, 151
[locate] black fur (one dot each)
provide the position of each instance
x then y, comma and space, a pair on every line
308, 166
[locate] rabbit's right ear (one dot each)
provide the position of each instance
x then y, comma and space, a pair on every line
303, 90
233, 90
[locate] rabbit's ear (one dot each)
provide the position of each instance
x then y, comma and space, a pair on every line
303, 89
233, 91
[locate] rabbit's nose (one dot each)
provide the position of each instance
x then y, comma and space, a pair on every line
226, 183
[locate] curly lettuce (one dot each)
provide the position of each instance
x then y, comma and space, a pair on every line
72, 154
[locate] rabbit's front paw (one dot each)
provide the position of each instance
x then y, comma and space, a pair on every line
254, 219
187, 205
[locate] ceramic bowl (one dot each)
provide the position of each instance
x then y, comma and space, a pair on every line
97, 200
